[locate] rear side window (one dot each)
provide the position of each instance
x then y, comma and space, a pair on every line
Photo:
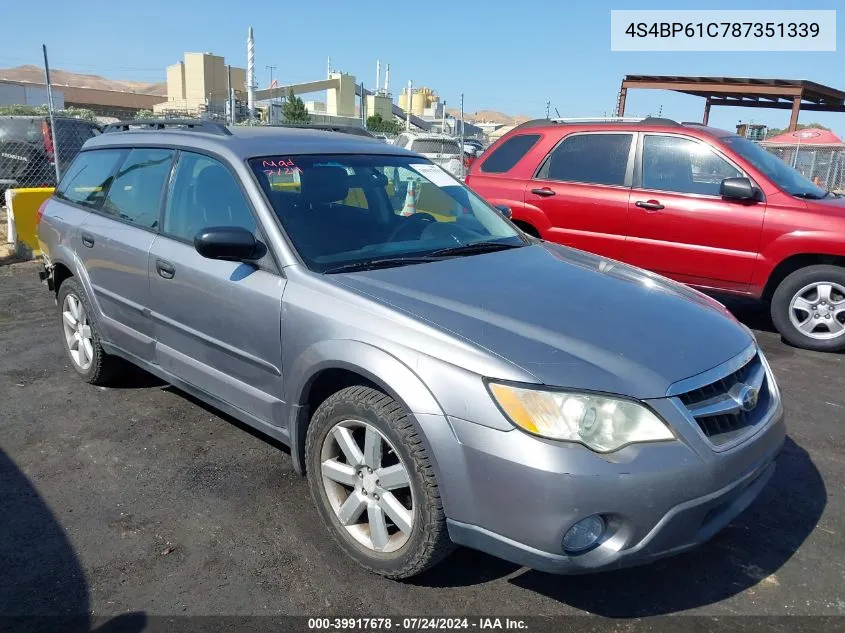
435, 146
20, 129
135, 193
87, 180
600, 159
509, 153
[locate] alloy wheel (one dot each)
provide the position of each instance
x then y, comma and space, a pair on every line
77, 331
818, 310
367, 485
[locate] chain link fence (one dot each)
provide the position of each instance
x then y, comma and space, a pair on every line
825, 166
35, 149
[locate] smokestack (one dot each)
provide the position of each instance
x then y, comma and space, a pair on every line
378, 74
250, 74
387, 79
328, 67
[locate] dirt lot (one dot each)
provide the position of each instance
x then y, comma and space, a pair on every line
139, 498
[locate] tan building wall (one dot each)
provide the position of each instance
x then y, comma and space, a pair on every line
200, 80
341, 102
176, 81
379, 104
239, 80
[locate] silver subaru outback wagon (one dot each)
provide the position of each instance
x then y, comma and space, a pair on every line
440, 377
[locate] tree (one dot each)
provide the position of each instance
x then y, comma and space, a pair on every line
42, 110
294, 109
146, 114
376, 123
774, 131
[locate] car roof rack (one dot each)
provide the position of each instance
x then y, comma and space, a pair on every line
193, 125
342, 128
611, 120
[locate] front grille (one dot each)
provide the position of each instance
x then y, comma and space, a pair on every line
718, 407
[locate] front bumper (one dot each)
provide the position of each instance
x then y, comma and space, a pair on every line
515, 496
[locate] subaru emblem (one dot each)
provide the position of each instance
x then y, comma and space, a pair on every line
746, 397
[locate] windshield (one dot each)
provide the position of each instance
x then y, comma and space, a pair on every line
340, 210
778, 171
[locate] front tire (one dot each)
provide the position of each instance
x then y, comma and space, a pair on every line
373, 483
808, 308
81, 336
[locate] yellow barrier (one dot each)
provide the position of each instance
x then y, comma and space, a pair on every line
23, 208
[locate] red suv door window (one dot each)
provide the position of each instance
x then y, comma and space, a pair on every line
582, 188
680, 226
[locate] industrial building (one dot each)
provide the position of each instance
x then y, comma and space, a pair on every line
200, 83
424, 103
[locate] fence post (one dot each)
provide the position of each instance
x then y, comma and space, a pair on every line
51, 109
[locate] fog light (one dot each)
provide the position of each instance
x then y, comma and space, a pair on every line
584, 534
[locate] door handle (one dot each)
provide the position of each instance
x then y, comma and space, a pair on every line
544, 192
165, 269
649, 205
87, 240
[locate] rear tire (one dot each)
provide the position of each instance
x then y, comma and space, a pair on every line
394, 527
81, 337
808, 308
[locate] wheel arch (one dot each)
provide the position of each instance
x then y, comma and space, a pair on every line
334, 365
790, 264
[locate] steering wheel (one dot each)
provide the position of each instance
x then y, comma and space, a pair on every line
417, 220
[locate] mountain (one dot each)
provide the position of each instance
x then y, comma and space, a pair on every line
35, 74
491, 116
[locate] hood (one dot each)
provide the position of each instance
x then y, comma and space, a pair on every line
569, 318
831, 205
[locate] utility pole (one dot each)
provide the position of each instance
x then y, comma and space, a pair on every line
443, 129
271, 69
410, 103
51, 108
364, 107
548, 106
230, 101
462, 122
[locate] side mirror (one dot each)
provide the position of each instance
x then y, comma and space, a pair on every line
231, 243
737, 189
505, 210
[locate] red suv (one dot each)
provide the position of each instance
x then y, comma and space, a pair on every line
703, 206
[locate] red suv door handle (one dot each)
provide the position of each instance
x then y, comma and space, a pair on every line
649, 205
545, 192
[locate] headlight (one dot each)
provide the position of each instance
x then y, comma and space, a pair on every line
601, 423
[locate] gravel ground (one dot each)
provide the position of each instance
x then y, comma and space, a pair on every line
139, 498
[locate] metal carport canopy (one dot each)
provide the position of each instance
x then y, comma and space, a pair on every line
749, 92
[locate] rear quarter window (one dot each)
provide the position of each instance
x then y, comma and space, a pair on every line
509, 153
89, 177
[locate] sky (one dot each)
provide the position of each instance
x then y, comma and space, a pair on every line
502, 55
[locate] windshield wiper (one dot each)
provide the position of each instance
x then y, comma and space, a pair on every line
473, 248
808, 195
374, 264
